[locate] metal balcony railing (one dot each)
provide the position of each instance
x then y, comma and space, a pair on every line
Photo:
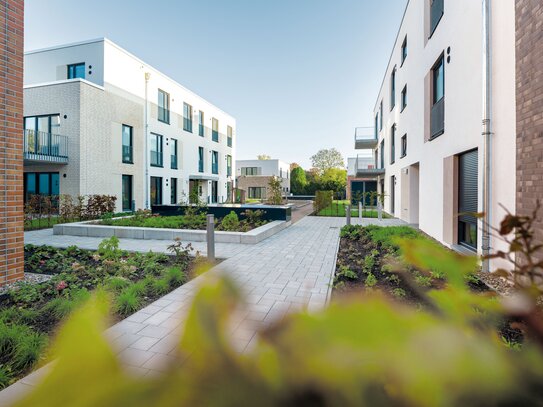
128, 157
364, 138
157, 159
45, 147
365, 167
437, 118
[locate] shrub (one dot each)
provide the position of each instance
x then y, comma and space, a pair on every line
28, 350
323, 199
399, 293
274, 190
254, 217
181, 253
230, 222
127, 302
175, 276
371, 280
423, 281
116, 283
109, 248
160, 286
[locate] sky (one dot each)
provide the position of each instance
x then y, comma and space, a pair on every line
298, 75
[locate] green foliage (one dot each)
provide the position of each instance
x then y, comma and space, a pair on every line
109, 248
116, 283
371, 280
128, 301
298, 181
423, 281
323, 199
181, 253
175, 276
275, 196
334, 179
399, 293
230, 222
327, 159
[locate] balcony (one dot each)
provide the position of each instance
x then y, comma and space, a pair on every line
40, 148
365, 167
364, 138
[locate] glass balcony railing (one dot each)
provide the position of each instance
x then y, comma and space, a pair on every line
365, 166
215, 135
364, 138
200, 166
156, 159
173, 161
215, 168
45, 147
128, 154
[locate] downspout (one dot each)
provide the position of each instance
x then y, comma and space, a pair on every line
146, 135
487, 130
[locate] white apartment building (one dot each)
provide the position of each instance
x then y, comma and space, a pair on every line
98, 120
253, 176
429, 140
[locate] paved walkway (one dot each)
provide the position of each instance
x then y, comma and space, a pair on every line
289, 271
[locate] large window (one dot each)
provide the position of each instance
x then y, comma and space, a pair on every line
257, 193
215, 162
377, 125
228, 165
436, 13
381, 116
41, 183
229, 136
404, 146
173, 191
393, 89
468, 199
382, 151
156, 150
187, 117
437, 114
404, 50
40, 132
127, 193
404, 98
128, 153
163, 106
156, 190
76, 71
214, 192
200, 159
250, 171
173, 158
215, 130
393, 144
201, 128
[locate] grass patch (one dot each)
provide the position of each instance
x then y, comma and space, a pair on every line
338, 209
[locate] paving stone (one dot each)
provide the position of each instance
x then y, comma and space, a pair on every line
144, 343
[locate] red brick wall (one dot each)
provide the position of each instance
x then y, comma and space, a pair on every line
529, 48
11, 140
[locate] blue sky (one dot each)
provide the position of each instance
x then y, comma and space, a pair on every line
298, 75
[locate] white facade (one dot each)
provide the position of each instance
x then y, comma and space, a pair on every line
421, 181
119, 78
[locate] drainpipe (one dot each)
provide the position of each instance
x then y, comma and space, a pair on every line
487, 129
146, 135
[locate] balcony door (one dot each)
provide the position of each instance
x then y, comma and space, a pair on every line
38, 131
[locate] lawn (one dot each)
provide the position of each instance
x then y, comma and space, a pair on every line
41, 223
30, 313
192, 220
337, 209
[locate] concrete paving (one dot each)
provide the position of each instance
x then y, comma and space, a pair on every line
290, 271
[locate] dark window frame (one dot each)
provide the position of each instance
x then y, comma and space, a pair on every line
174, 152
404, 50
130, 195
164, 111
187, 117
438, 20
71, 70
201, 125
393, 89
393, 144
437, 102
159, 190
173, 191
201, 159
403, 146
403, 99
215, 133
159, 150
214, 162
130, 147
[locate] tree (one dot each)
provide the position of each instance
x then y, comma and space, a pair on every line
326, 159
294, 165
263, 157
333, 179
275, 193
298, 181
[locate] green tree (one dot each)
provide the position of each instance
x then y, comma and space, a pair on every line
274, 189
333, 179
327, 159
263, 157
298, 181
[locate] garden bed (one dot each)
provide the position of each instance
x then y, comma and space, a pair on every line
369, 259
30, 312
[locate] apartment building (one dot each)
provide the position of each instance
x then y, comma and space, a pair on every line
445, 114
98, 120
253, 177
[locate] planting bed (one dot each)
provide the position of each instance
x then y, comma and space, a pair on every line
369, 259
31, 312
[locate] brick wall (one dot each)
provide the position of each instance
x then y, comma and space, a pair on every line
529, 66
11, 141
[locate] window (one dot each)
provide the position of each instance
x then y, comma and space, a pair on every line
229, 136
257, 193
249, 171
468, 199
393, 194
228, 165
39, 135
382, 154
173, 160
280, 173
404, 50
128, 149
393, 89
127, 193
381, 116
41, 183
76, 71
404, 146
377, 125
393, 144
214, 192
156, 150
187, 117
215, 130
163, 107
404, 98
214, 162
200, 159
156, 190
436, 13
201, 124
437, 114
173, 191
